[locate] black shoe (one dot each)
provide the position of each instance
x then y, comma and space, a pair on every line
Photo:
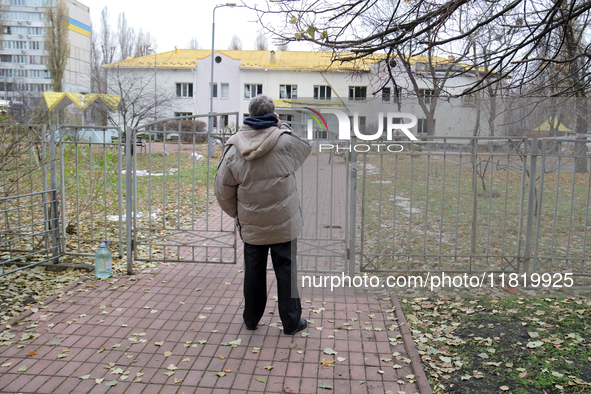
251, 328
302, 326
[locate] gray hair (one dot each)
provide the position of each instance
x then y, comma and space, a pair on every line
261, 105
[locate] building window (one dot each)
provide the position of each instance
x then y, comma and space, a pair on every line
357, 93
35, 31
15, 45
225, 90
20, 59
215, 90
423, 126
468, 100
322, 92
391, 94
284, 118
179, 114
17, 2
6, 30
18, 16
36, 45
6, 58
184, 90
36, 3
251, 91
36, 59
288, 91
426, 94
35, 16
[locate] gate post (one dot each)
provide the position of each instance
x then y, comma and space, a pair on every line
54, 223
530, 205
353, 208
129, 200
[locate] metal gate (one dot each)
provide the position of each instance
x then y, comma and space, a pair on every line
29, 223
326, 188
174, 215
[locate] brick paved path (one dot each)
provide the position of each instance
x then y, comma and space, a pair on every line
88, 331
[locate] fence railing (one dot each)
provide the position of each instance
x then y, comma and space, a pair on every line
29, 230
469, 204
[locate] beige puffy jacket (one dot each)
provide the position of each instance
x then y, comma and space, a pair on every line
256, 184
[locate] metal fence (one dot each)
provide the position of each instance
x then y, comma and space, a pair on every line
443, 204
475, 204
90, 181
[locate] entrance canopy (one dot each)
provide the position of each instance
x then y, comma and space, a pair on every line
60, 100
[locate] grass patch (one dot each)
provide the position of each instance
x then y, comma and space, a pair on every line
513, 345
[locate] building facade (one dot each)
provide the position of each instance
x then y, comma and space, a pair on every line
298, 81
23, 74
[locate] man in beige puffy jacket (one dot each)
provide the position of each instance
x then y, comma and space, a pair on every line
255, 183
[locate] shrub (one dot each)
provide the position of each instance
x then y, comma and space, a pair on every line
187, 129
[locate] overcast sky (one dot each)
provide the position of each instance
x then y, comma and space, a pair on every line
175, 22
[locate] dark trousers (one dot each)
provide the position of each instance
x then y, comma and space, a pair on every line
255, 283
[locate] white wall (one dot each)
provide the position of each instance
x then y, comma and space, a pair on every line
227, 71
453, 117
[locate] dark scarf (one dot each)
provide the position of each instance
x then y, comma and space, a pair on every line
261, 122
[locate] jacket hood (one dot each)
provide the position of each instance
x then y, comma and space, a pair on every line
253, 143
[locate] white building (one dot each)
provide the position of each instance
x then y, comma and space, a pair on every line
295, 80
23, 73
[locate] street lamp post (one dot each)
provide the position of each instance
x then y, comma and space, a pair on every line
210, 137
155, 88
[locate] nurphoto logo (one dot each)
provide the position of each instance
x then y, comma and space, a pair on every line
344, 134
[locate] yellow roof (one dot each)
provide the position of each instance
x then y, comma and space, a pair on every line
301, 60
59, 100
546, 126
186, 58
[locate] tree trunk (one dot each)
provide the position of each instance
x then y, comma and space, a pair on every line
581, 156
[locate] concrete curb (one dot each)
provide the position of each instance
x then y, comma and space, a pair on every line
409, 344
28, 312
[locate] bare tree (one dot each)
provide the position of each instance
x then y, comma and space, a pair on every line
144, 44
139, 102
125, 37
349, 29
193, 44
57, 44
260, 42
102, 52
235, 43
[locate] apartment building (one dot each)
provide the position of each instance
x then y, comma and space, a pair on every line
23, 74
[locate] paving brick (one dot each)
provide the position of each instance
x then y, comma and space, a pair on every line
176, 323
